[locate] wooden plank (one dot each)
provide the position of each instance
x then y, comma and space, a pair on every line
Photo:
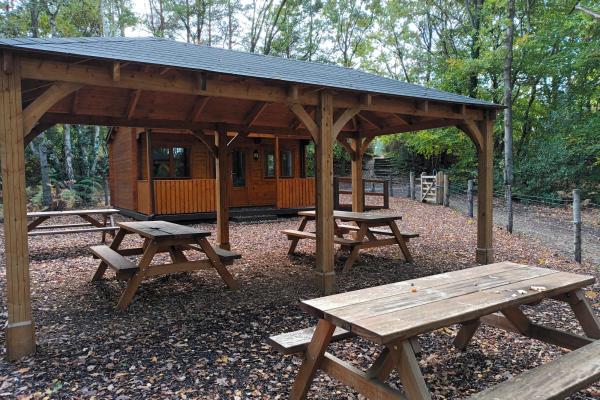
321, 305
552, 381
358, 380
222, 191
313, 236
357, 217
70, 231
100, 211
421, 299
162, 230
416, 320
313, 358
297, 341
186, 266
114, 260
465, 334
408, 369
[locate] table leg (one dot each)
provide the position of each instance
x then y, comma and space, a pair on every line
400, 241
177, 255
466, 333
584, 313
134, 281
381, 368
114, 245
360, 234
104, 223
295, 240
217, 264
409, 371
36, 222
313, 357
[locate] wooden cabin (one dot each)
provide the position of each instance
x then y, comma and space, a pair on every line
173, 177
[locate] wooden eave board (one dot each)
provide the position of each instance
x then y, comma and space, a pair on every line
392, 312
162, 229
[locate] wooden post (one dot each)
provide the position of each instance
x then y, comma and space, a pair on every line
358, 204
470, 198
277, 165
386, 194
150, 172
222, 190
336, 193
509, 208
324, 191
391, 183
411, 185
577, 224
446, 190
20, 330
439, 188
422, 191
485, 191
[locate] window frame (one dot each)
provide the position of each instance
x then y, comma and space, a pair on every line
291, 163
188, 164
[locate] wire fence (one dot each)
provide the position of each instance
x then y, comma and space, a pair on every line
550, 219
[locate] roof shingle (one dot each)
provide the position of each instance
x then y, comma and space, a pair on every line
171, 53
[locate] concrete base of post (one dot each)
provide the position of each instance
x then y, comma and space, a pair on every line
20, 339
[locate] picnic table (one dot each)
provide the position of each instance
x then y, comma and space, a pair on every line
160, 237
365, 233
394, 315
105, 225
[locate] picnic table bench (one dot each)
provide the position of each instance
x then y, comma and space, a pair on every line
394, 315
160, 237
92, 224
363, 228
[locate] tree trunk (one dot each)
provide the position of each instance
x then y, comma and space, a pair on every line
68, 156
95, 148
44, 170
508, 129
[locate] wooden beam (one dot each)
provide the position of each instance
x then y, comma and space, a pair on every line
347, 146
370, 122
253, 115
116, 71
236, 138
75, 102
207, 141
39, 106
188, 83
417, 126
222, 190
59, 118
36, 130
306, 119
343, 119
485, 192
133, 101
366, 142
199, 106
324, 192
19, 329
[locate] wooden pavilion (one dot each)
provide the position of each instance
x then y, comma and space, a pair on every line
220, 96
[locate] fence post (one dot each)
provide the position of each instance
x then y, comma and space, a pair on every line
577, 224
421, 189
470, 198
439, 188
411, 185
336, 193
446, 190
391, 186
386, 194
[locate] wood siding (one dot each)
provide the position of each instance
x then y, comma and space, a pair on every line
184, 196
143, 197
296, 192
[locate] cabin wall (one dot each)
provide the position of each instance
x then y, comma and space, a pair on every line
123, 168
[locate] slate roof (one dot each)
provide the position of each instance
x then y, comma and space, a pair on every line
171, 53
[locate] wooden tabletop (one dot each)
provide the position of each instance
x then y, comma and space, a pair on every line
162, 230
72, 212
404, 309
357, 216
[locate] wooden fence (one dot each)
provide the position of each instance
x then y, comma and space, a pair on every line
295, 193
384, 193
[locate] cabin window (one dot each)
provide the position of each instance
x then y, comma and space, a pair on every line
269, 164
238, 169
308, 160
286, 164
170, 162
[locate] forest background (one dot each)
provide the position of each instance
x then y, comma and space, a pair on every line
552, 80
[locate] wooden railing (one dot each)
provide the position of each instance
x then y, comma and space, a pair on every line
295, 192
376, 184
183, 196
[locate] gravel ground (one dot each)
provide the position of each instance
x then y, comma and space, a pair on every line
188, 336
